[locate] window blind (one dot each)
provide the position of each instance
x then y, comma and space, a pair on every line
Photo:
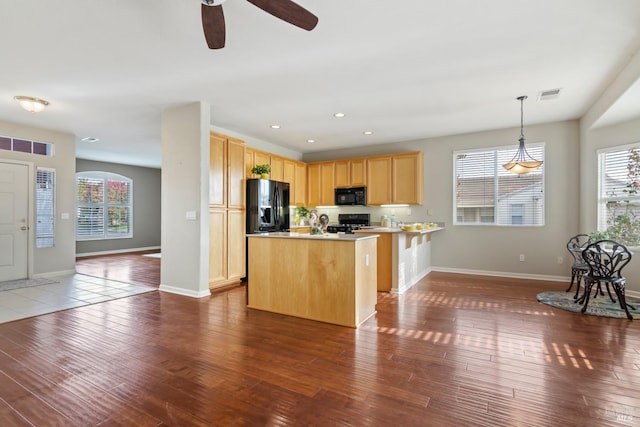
45, 207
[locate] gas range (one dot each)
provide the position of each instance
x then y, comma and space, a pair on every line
348, 223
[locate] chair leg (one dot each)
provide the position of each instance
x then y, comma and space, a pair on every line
609, 292
623, 303
573, 277
578, 280
588, 284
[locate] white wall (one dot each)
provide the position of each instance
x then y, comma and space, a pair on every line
60, 258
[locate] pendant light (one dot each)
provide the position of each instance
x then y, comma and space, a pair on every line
522, 163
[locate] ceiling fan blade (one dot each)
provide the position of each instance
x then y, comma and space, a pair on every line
213, 26
289, 12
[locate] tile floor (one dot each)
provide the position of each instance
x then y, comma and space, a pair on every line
70, 291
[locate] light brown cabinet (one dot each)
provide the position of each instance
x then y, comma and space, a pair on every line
379, 180
407, 178
253, 158
320, 184
395, 179
350, 173
300, 190
277, 168
227, 168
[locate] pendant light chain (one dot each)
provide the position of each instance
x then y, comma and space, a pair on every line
522, 163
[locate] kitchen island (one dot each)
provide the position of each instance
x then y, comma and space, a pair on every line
330, 278
404, 257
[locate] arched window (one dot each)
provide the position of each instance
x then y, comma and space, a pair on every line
104, 206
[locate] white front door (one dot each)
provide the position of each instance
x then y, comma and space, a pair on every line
14, 234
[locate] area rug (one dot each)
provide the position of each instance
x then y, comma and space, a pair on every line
25, 283
599, 306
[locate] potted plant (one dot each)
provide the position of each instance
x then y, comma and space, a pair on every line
301, 214
262, 170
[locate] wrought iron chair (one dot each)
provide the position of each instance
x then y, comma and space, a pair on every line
575, 246
605, 259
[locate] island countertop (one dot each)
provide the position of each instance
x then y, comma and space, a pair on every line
325, 236
397, 230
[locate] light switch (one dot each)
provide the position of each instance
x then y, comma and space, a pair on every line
64, 215
191, 215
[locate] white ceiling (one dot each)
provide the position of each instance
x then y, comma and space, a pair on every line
406, 70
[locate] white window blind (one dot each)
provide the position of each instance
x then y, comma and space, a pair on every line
45, 207
104, 206
619, 198
485, 193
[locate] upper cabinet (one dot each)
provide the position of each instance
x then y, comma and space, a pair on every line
379, 180
320, 184
277, 168
226, 171
407, 178
395, 179
350, 173
300, 194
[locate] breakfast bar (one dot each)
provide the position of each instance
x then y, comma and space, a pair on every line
328, 277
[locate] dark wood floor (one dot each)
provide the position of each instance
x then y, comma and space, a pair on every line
129, 267
454, 350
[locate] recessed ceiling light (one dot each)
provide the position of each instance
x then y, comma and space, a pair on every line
311, 141
31, 104
368, 132
275, 126
90, 139
339, 115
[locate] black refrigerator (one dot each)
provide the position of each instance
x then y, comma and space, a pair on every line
267, 206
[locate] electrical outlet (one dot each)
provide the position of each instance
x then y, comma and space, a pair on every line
429, 212
408, 211
560, 260
366, 259
521, 257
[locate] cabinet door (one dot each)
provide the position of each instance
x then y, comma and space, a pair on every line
217, 246
407, 178
235, 245
327, 195
379, 180
341, 173
249, 162
300, 197
277, 168
217, 170
357, 172
289, 175
261, 158
235, 174
314, 184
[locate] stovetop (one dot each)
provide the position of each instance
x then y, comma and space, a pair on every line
348, 223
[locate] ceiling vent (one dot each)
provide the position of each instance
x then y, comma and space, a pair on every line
548, 95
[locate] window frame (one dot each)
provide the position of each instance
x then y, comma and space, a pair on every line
104, 205
500, 155
45, 239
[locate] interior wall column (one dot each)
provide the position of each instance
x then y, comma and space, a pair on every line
185, 187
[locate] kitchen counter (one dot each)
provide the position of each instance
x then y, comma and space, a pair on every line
330, 278
325, 236
404, 257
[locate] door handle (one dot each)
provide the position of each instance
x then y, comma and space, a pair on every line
24, 228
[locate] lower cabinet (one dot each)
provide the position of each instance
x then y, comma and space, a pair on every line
226, 247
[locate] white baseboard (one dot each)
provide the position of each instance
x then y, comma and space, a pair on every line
502, 274
185, 292
50, 274
118, 251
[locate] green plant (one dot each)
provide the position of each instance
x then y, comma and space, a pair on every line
623, 222
260, 169
302, 212
595, 236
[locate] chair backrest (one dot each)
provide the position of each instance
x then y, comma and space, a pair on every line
576, 245
606, 258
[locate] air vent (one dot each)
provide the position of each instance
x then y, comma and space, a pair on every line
548, 95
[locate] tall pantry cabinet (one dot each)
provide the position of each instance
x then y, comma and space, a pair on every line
226, 210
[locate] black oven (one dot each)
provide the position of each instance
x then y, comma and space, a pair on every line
351, 196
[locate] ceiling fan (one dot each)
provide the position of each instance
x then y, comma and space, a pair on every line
287, 10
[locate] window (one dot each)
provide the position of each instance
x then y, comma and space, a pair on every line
45, 207
485, 193
26, 146
104, 206
619, 194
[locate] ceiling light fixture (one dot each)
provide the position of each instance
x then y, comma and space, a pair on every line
311, 141
339, 115
275, 126
90, 139
368, 132
31, 104
522, 163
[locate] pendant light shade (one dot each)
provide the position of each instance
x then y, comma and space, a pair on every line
522, 163
31, 104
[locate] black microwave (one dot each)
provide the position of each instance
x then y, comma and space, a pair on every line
351, 196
